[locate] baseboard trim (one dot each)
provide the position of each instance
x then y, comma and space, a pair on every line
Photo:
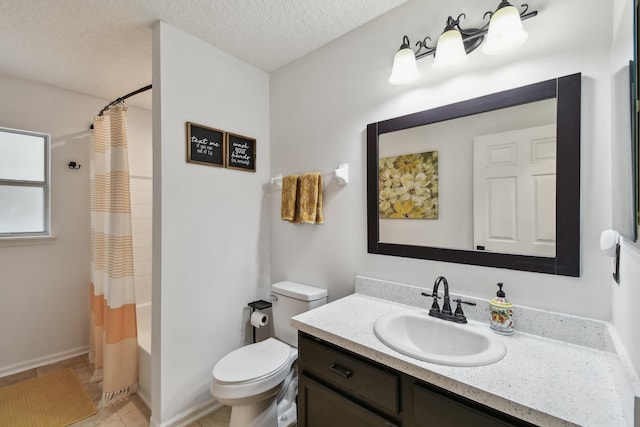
42, 361
188, 416
142, 394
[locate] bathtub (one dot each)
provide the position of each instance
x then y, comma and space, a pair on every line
143, 313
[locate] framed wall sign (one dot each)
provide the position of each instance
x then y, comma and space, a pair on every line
205, 145
241, 152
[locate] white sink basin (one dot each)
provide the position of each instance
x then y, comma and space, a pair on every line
423, 337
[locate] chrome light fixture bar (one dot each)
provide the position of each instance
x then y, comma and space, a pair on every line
501, 34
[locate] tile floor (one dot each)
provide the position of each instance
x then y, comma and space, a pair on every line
131, 412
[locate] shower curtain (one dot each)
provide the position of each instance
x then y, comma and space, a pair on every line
113, 335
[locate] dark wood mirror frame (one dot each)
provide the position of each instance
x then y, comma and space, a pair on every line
636, 114
567, 91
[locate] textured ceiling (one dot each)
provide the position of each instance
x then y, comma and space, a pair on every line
103, 47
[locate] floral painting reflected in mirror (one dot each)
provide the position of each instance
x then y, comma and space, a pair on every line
408, 186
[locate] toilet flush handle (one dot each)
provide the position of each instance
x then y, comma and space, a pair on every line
274, 297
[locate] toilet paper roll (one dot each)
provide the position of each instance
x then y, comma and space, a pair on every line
259, 318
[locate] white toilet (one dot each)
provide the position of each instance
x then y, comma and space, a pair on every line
259, 381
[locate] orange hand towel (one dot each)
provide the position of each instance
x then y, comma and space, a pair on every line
288, 204
310, 198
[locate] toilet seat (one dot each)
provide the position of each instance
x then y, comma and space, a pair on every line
251, 363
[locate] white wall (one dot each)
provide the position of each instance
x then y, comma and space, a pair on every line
141, 184
626, 294
210, 225
321, 104
44, 284
141, 230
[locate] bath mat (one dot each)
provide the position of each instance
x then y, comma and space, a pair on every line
53, 400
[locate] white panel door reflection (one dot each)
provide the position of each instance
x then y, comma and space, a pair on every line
514, 191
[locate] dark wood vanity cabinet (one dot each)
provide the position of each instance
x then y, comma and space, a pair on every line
338, 388
323, 406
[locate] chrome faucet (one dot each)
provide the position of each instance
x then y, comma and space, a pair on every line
446, 313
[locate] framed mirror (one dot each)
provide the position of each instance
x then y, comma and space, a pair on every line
492, 181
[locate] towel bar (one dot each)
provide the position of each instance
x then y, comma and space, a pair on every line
341, 174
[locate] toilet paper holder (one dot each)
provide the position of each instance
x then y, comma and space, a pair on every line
258, 305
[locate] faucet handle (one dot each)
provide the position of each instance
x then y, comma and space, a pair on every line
435, 308
424, 294
459, 314
460, 301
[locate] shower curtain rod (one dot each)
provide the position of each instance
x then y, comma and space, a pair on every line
122, 98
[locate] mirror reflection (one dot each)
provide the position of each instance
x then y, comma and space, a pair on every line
484, 182
491, 181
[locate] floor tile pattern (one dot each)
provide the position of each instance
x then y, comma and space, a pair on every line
130, 412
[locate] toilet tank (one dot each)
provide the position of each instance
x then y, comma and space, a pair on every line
290, 299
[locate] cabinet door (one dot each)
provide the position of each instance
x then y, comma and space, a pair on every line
319, 406
433, 407
373, 385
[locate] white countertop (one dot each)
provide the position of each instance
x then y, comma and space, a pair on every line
544, 381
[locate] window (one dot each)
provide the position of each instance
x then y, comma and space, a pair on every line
24, 183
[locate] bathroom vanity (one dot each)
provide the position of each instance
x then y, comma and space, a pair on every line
340, 388
551, 376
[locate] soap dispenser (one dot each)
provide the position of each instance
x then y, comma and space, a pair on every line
501, 313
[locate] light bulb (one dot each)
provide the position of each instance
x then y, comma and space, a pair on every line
405, 68
505, 30
449, 50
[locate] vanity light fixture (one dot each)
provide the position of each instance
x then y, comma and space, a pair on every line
450, 50
405, 68
505, 30
503, 33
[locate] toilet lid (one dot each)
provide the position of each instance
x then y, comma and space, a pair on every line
252, 362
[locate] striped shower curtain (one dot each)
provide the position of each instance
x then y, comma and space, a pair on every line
113, 337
